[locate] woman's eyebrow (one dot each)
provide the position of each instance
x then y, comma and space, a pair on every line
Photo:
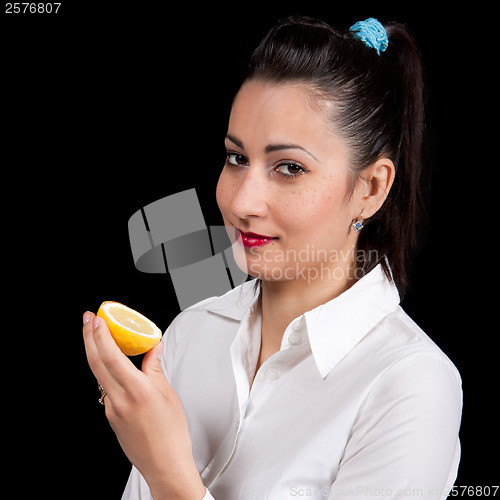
236, 141
279, 147
271, 147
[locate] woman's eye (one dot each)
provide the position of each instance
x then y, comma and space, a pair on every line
291, 170
236, 160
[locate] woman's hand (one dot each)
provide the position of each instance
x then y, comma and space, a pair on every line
145, 413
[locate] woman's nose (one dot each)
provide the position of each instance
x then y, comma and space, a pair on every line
249, 199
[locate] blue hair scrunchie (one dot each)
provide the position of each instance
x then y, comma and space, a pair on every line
371, 33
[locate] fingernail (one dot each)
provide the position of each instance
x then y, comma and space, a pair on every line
86, 317
95, 322
159, 350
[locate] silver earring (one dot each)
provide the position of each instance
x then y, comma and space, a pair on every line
357, 225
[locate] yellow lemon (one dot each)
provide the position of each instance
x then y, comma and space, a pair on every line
133, 332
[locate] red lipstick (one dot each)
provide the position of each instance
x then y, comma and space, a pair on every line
250, 240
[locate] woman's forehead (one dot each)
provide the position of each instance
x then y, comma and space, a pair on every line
274, 114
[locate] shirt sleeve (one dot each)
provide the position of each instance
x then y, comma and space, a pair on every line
404, 442
137, 488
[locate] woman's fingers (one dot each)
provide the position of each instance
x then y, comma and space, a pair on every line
109, 365
93, 356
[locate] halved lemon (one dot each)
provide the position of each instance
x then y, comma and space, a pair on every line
133, 333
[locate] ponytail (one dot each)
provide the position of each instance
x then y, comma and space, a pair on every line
393, 229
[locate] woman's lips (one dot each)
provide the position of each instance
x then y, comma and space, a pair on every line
250, 240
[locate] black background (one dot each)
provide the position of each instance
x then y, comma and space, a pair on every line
107, 109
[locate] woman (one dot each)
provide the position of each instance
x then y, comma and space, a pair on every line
310, 381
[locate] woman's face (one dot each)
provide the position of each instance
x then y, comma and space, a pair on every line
284, 192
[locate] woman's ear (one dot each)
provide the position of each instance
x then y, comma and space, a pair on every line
376, 183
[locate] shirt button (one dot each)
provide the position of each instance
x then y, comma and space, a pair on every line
297, 324
295, 338
272, 374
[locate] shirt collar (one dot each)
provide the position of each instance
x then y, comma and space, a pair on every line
333, 328
234, 304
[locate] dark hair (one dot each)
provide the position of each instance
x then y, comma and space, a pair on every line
378, 110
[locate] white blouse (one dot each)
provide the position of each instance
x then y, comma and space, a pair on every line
359, 402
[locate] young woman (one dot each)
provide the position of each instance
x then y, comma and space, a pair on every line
310, 381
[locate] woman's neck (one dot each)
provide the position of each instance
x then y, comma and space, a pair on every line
282, 301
